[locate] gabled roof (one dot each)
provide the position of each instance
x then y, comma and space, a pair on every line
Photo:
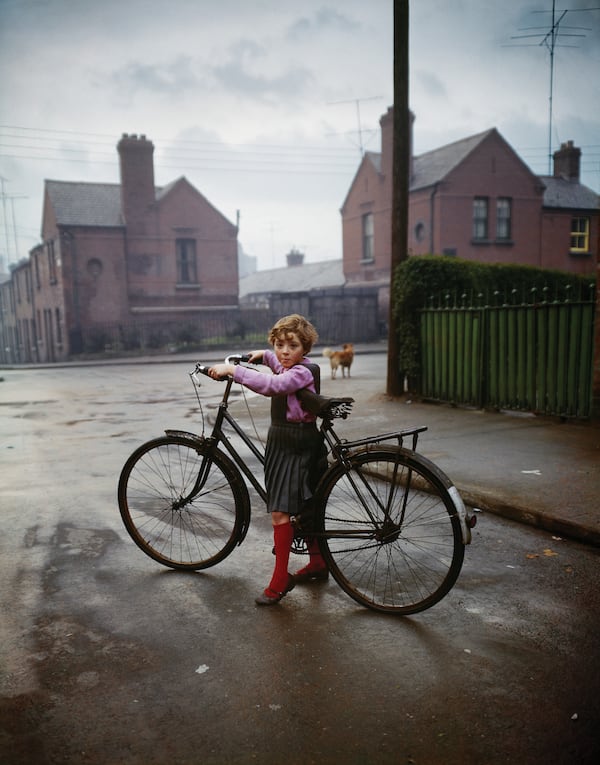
327, 273
85, 204
92, 204
570, 195
433, 166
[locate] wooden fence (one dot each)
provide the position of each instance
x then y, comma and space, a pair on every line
534, 355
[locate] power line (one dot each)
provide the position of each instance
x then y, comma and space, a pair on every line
171, 142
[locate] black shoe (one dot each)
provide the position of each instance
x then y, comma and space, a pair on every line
266, 600
303, 576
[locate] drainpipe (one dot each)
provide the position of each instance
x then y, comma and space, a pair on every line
75, 336
432, 216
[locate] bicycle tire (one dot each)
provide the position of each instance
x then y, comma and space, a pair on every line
407, 563
173, 522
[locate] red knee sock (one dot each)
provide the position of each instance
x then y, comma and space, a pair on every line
316, 562
283, 534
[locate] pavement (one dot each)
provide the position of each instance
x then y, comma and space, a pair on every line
541, 471
537, 470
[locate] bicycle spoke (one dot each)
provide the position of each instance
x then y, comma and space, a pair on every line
169, 516
390, 534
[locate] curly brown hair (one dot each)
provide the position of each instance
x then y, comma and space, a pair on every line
307, 334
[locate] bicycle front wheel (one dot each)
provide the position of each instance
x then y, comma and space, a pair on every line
390, 532
183, 504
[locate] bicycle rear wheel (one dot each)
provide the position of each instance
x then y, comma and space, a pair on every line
391, 534
184, 505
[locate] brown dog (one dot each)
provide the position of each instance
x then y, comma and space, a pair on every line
343, 359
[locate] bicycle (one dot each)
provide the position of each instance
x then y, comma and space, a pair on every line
390, 524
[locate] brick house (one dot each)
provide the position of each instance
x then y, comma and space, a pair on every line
117, 253
474, 199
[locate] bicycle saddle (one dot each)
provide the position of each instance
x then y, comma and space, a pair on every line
323, 406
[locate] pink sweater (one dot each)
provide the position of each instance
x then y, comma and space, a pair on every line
282, 381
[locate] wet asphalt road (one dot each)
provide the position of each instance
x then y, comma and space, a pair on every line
109, 658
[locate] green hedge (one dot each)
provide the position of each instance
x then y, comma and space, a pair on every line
428, 280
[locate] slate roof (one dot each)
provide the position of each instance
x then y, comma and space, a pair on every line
327, 273
433, 166
569, 195
85, 204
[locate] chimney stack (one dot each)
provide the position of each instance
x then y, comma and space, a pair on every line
387, 143
137, 180
566, 162
295, 257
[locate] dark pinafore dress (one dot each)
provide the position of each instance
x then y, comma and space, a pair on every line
295, 457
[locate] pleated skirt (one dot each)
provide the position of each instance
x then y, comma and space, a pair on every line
295, 459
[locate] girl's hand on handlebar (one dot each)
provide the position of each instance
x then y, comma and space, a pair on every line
221, 371
255, 357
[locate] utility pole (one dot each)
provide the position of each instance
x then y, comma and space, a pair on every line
10, 198
400, 181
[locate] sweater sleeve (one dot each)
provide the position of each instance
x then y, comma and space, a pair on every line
288, 381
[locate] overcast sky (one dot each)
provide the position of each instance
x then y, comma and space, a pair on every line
264, 104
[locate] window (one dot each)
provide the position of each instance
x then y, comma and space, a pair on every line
28, 286
36, 263
580, 235
480, 218
367, 237
186, 261
503, 218
51, 261
58, 326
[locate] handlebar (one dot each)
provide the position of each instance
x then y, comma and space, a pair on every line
321, 406
234, 358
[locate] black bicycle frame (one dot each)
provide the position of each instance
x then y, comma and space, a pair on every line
219, 437
338, 447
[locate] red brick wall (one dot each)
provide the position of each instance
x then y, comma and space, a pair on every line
556, 239
491, 171
371, 193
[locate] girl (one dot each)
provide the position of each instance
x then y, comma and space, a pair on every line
295, 453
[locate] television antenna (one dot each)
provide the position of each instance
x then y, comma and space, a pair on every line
551, 39
357, 102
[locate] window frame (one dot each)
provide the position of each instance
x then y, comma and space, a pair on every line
575, 234
480, 223
368, 238
186, 261
503, 221
51, 252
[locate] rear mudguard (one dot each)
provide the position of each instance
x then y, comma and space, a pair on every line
466, 520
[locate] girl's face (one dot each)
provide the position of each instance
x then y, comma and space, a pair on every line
288, 349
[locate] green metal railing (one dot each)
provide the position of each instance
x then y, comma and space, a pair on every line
508, 353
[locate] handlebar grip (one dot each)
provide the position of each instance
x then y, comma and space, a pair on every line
237, 358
